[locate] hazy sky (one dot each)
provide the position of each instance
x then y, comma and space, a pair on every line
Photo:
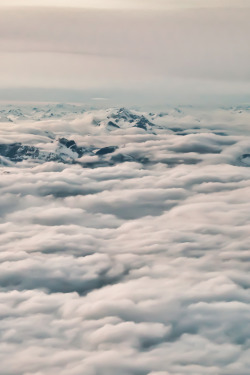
173, 51
129, 4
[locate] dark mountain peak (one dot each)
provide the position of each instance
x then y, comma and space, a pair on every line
17, 152
124, 114
143, 123
138, 121
106, 150
66, 142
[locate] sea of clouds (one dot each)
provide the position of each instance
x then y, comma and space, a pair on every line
133, 267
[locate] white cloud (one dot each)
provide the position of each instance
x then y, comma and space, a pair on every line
134, 268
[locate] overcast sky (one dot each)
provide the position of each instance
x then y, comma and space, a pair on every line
139, 51
129, 4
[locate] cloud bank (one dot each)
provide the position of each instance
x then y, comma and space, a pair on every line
132, 258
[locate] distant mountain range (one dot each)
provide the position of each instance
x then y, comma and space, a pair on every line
54, 133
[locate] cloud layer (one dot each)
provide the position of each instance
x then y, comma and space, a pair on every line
140, 266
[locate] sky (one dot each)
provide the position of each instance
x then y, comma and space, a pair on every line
131, 52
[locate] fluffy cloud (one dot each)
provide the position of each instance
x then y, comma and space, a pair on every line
126, 266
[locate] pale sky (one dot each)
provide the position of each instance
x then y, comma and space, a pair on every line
129, 4
163, 49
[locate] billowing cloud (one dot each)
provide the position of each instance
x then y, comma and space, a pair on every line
129, 260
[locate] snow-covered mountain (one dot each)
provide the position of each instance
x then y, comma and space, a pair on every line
71, 135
